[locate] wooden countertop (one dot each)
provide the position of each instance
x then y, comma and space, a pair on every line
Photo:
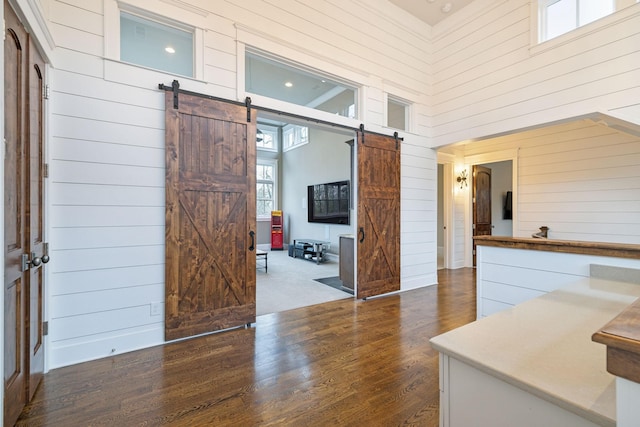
544, 346
622, 338
619, 250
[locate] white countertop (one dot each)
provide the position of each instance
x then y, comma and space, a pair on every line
544, 346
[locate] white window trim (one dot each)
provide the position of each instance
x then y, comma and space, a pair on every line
625, 9
293, 128
274, 163
182, 19
407, 111
253, 40
271, 128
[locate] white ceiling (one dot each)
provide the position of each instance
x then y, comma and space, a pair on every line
431, 11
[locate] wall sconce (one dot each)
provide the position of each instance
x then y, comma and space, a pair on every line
462, 179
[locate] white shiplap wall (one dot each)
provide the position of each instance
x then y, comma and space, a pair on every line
107, 128
488, 79
107, 146
581, 179
418, 216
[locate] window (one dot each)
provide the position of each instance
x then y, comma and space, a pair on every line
156, 45
397, 114
266, 181
294, 136
279, 80
558, 17
267, 137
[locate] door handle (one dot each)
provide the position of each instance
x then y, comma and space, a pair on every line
361, 232
253, 240
35, 261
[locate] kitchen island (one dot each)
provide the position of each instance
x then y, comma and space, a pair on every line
534, 364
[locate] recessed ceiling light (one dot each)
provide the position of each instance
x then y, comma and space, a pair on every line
288, 84
169, 49
447, 7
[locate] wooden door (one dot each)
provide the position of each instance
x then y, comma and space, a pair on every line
210, 216
35, 217
15, 227
378, 228
481, 203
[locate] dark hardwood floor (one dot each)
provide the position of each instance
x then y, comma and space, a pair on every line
348, 362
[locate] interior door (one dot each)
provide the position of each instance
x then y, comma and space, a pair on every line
35, 218
481, 204
378, 228
15, 227
210, 216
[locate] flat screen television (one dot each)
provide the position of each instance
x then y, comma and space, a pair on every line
328, 203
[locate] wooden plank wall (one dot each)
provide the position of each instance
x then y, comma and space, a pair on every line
489, 79
580, 179
507, 277
107, 147
473, 76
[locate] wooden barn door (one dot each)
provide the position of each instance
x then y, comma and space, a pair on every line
24, 246
481, 204
378, 228
210, 216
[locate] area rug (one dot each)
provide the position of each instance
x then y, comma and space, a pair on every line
334, 282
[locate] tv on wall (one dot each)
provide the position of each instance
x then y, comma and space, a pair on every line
328, 203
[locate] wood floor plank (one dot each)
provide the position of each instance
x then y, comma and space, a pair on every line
340, 363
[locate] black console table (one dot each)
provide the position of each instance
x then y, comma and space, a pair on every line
313, 250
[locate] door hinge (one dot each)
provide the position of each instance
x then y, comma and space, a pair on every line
45, 248
473, 200
24, 262
473, 227
474, 251
45, 328
47, 91
45, 170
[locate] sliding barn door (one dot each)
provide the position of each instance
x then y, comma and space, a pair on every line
210, 216
378, 229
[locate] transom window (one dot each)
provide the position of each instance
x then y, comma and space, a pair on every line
267, 137
156, 45
397, 115
294, 136
558, 17
279, 80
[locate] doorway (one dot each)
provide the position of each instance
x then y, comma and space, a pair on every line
303, 154
491, 200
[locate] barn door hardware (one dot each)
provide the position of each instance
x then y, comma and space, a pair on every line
362, 131
395, 136
247, 103
252, 234
175, 86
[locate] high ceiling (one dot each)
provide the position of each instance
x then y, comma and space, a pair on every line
431, 11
